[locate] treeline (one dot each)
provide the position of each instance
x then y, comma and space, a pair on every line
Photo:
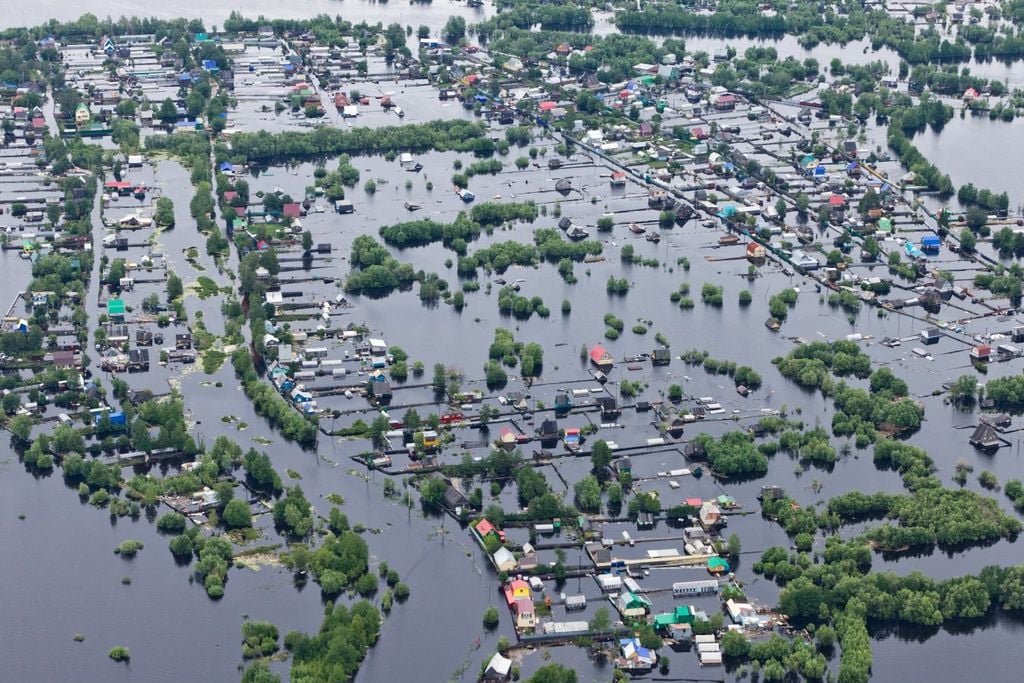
269, 404
733, 455
441, 136
335, 652
549, 17
375, 270
549, 245
463, 229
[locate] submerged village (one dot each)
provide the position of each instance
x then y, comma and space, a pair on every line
514, 349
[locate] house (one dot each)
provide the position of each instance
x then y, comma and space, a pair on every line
517, 589
82, 115
930, 336
183, 341
291, 210
484, 529
609, 407
661, 356
725, 102
562, 401
741, 613
981, 353
710, 515
504, 560
683, 614
116, 418
431, 439
138, 360
575, 602
498, 670
632, 605
930, 244
770, 492
115, 310
379, 389
688, 588
756, 252
985, 438
64, 359
601, 358
344, 206
548, 431
526, 613
635, 657
117, 334
454, 498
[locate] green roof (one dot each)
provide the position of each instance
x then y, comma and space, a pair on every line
115, 307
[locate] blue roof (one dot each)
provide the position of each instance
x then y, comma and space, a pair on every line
226, 166
930, 239
819, 170
184, 77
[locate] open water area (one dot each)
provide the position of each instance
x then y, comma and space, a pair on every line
59, 576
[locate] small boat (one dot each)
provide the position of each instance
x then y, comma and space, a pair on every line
653, 237
637, 229
465, 195
727, 240
398, 110
564, 186
412, 207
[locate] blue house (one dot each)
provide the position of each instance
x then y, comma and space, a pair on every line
930, 244
116, 418
226, 167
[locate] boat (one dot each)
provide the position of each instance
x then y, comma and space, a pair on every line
465, 195
398, 110
653, 237
564, 186
727, 240
637, 229
412, 207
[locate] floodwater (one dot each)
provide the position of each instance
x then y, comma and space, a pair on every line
60, 576
995, 148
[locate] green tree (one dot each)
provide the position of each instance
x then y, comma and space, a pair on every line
600, 456
237, 514
307, 241
174, 287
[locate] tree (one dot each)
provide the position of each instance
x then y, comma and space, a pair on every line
780, 208
967, 241
588, 494
976, 218
553, 673
734, 545
601, 456
10, 403
491, 617
601, 621
164, 214
237, 514
803, 202
455, 30
174, 287
307, 241
167, 113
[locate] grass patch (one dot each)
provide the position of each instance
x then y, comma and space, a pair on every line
212, 360
292, 474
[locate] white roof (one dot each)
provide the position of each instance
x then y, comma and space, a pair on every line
500, 664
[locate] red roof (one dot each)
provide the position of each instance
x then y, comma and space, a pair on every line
618, 174
547, 105
291, 210
694, 502
240, 211
837, 200
230, 195
117, 184
982, 350
39, 122
484, 528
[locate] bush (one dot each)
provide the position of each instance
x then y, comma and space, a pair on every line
491, 618
120, 654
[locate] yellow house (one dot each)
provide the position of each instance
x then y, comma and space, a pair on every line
431, 439
82, 115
